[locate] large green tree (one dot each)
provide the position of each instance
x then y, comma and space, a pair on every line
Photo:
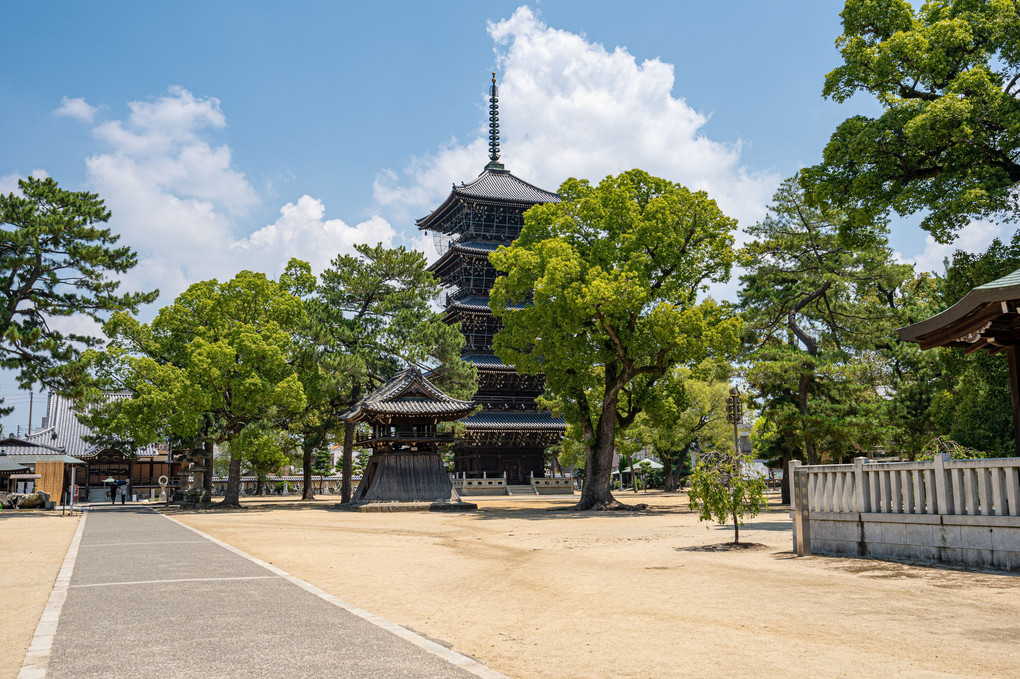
216, 365
56, 260
372, 315
322, 366
947, 144
815, 311
600, 293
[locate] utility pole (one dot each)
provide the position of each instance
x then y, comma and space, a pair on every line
734, 414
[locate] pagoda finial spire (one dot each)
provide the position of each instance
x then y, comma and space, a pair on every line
494, 163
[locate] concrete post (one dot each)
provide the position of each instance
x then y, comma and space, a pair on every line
943, 498
862, 494
801, 511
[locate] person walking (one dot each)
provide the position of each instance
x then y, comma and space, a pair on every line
112, 492
122, 491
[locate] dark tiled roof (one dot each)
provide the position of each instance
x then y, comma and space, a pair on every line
66, 434
492, 186
486, 361
408, 393
514, 421
501, 185
472, 248
476, 246
477, 304
471, 304
984, 318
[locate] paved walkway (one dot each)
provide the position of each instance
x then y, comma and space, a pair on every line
150, 597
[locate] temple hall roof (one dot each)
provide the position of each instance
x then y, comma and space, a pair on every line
65, 434
986, 317
408, 393
9, 465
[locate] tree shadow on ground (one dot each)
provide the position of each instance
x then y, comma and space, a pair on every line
726, 547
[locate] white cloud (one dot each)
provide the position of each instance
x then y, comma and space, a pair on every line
77, 108
301, 231
9, 182
569, 107
975, 237
179, 201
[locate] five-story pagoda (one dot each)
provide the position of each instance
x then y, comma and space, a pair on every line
510, 433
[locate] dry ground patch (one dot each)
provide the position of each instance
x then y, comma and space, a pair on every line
32, 548
535, 593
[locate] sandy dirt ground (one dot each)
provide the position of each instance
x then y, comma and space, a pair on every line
32, 548
534, 593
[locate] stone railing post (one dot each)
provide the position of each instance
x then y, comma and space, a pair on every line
943, 495
862, 494
800, 508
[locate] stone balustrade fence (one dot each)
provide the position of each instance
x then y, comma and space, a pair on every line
951, 511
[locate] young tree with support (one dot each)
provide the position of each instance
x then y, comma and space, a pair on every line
725, 485
600, 294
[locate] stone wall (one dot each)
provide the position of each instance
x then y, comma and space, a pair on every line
483, 486
553, 486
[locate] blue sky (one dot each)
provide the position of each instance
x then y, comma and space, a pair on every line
231, 135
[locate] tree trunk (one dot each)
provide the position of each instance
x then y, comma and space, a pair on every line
668, 480
784, 483
809, 441
598, 468
681, 461
207, 484
306, 474
736, 528
347, 469
233, 494
348, 463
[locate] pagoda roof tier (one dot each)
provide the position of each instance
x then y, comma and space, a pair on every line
493, 186
408, 394
471, 248
487, 362
514, 421
475, 305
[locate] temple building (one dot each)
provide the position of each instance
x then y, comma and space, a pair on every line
63, 435
509, 435
403, 415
